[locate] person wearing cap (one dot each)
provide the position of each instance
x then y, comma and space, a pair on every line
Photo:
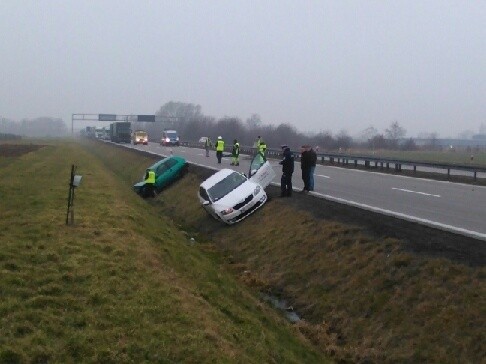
287, 170
219, 148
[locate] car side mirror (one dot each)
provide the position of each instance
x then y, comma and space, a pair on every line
206, 203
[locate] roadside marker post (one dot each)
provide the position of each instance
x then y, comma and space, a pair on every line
74, 182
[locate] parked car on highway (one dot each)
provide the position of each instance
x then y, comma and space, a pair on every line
230, 196
166, 171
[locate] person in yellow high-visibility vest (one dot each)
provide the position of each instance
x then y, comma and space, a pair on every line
219, 148
235, 153
149, 190
262, 149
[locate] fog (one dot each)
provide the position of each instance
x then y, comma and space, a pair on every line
317, 65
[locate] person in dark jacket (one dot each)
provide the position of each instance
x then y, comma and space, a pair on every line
305, 165
313, 162
287, 169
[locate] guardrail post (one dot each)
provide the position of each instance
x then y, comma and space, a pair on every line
474, 175
387, 165
331, 160
355, 162
414, 169
448, 173
381, 165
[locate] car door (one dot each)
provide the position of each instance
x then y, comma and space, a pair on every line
261, 171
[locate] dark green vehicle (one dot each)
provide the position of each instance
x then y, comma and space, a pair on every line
166, 171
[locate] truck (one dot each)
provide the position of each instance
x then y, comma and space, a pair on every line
90, 132
120, 132
140, 137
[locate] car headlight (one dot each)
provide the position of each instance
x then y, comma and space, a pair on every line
167, 140
257, 190
227, 211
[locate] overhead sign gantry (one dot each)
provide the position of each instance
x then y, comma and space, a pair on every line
117, 117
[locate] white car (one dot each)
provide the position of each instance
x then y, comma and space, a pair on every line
230, 196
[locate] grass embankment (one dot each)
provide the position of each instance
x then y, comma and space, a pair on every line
363, 297
121, 285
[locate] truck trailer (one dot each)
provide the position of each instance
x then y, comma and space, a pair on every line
120, 132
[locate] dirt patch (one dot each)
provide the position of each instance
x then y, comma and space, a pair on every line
16, 150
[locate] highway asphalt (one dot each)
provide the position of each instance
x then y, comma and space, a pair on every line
455, 207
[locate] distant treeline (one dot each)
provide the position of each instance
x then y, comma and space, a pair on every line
38, 127
192, 124
4, 136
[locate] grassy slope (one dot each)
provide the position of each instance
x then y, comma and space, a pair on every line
365, 297
121, 285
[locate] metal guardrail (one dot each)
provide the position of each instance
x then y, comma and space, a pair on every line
366, 161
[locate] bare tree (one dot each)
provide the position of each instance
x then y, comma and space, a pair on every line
343, 140
394, 133
377, 142
254, 121
367, 133
409, 145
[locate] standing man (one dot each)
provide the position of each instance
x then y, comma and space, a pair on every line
219, 149
262, 147
235, 153
207, 145
287, 169
257, 145
305, 166
313, 162
149, 189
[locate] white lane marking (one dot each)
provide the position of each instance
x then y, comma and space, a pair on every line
321, 175
434, 224
402, 176
417, 192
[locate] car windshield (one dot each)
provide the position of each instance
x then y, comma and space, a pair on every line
226, 185
172, 135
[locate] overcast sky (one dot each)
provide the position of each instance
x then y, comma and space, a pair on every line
318, 65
